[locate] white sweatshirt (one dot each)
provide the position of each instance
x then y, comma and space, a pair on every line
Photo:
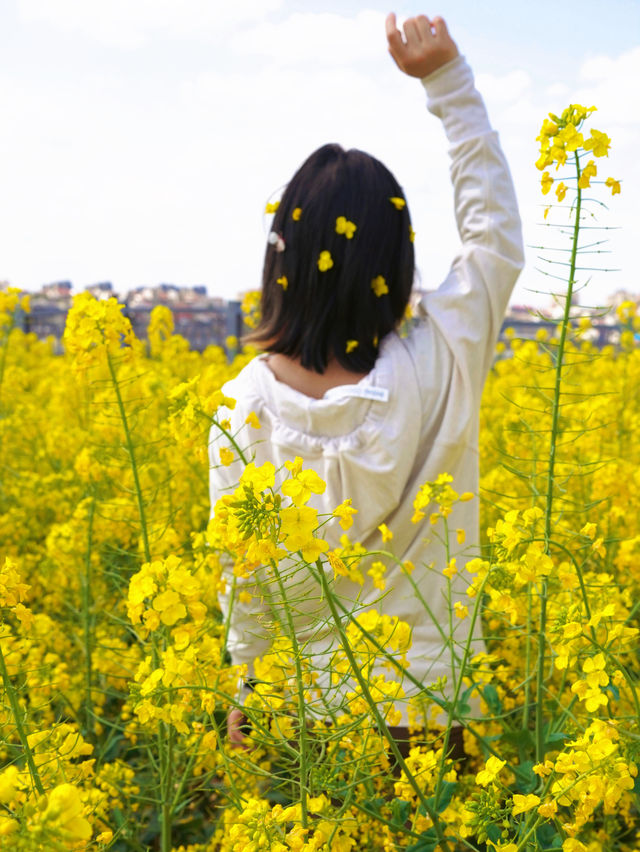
379, 451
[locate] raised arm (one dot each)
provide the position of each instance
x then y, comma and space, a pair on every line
469, 306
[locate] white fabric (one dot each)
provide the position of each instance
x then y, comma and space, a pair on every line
379, 452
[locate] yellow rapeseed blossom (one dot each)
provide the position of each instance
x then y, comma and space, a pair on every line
385, 532
614, 185
588, 171
325, 261
117, 579
226, 455
492, 769
379, 286
345, 512
345, 227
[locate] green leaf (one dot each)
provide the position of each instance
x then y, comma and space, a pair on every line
522, 739
490, 695
374, 805
548, 837
494, 832
427, 843
555, 738
526, 779
446, 792
400, 810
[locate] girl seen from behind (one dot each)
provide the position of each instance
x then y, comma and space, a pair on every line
375, 414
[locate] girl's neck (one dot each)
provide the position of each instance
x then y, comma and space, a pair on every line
290, 372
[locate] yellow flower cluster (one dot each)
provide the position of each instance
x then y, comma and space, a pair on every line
560, 136
116, 677
97, 328
11, 298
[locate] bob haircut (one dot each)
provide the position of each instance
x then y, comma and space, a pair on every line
311, 313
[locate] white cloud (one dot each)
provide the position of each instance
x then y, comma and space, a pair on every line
324, 38
504, 88
132, 23
165, 179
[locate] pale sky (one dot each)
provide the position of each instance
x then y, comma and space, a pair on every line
142, 138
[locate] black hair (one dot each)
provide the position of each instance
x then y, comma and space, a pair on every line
311, 314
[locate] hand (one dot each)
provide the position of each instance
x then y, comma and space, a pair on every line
236, 720
426, 46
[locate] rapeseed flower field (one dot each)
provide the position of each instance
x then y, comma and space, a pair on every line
115, 679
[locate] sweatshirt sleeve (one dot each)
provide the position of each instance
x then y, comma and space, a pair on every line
469, 306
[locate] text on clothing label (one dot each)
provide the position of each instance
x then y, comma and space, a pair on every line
363, 391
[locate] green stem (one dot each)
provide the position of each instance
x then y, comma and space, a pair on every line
17, 715
167, 782
382, 725
164, 761
302, 721
232, 441
555, 414
456, 680
87, 628
132, 459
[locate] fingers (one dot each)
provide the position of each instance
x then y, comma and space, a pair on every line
412, 31
235, 720
426, 45
440, 26
424, 26
394, 38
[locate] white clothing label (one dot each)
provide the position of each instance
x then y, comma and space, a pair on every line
363, 391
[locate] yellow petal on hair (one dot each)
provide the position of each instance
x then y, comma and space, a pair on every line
398, 203
271, 207
344, 226
412, 234
297, 213
379, 286
282, 281
325, 261
351, 345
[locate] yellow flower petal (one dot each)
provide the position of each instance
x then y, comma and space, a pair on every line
325, 261
379, 286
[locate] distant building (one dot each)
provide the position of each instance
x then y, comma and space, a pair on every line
57, 290
620, 296
102, 290
206, 321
